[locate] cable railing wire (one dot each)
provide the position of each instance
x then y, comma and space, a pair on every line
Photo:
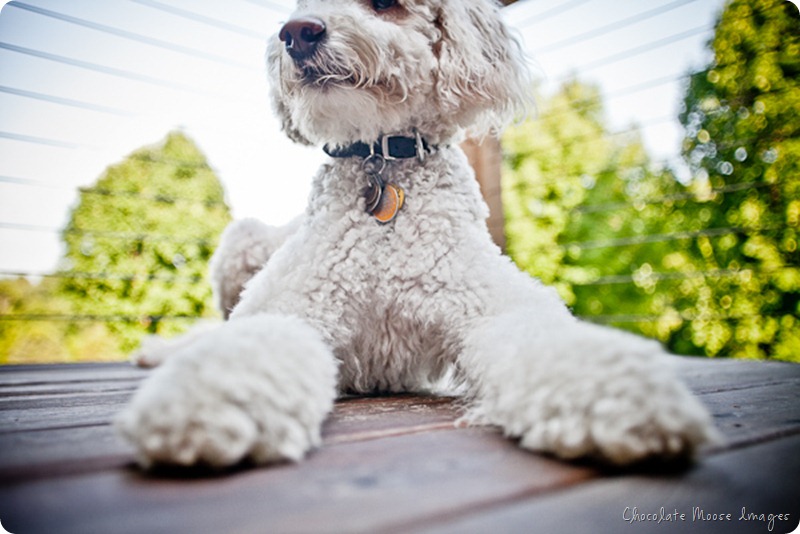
124, 277
647, 47
274, 6
645, 239
132, 36
680, 276
37, 140
79, 318
53, 99
106, 234
636, 202
608, 28
103, 69
683, 316
196, 17
550, 13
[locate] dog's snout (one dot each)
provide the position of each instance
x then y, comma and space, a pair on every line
301, 36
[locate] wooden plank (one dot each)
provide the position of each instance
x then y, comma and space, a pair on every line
26, 375
707, 375
81, 411
756, 414
763, 479
388, 463
357, 419
76, 427
58, 452
361, 486
81, 435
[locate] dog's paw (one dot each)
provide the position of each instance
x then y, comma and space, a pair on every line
155, 350
257, 388
170, 425
581, 391
627, 424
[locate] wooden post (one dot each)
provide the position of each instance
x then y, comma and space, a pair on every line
486, 158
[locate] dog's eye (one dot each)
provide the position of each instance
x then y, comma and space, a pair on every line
383, 5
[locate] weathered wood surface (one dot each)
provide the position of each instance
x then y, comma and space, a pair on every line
389, 464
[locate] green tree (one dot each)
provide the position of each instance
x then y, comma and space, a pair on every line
742, 119
711, 268
138, 242
577, 210
33, 329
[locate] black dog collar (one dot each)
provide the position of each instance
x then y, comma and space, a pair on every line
383, 199
388, 147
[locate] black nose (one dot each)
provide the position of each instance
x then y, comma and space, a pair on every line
301, 36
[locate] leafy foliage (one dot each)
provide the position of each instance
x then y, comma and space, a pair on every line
742, 118
137, 248
708, 268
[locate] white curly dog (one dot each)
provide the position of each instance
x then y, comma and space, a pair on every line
390, 281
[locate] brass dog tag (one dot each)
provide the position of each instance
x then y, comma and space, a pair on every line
383, 200
391, 202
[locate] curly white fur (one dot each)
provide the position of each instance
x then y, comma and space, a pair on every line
397, 307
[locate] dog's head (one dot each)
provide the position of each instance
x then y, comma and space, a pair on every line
350, 70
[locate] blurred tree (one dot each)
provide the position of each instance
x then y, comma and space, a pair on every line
742, 120
577, 210
138, 242
41, 335
711, 268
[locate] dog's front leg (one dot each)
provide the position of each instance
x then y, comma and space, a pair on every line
255, 388
244, 248
576, 390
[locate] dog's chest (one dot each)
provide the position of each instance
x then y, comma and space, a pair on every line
393, 302
392, 299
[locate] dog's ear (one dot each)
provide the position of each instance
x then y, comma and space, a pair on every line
276, 89
483, 80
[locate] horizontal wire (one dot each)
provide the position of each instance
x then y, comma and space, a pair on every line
648, 47
64, 101
617, 25
623, 23
161, 199
111, 71
579, 103
633, 201
125, 236
273, 6
661, 238
630, 319
122, 277
191, 15
536, 19
165, 199
75, 318
131, 36
31, 182
639, 50
680, 276
32, 139
594, 138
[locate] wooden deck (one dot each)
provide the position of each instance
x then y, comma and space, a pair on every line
391, 464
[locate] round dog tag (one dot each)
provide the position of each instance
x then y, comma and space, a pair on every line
390, 203
373, 193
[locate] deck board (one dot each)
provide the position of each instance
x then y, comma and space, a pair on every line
722, 483
388, 464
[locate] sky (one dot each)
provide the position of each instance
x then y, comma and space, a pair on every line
86, 82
